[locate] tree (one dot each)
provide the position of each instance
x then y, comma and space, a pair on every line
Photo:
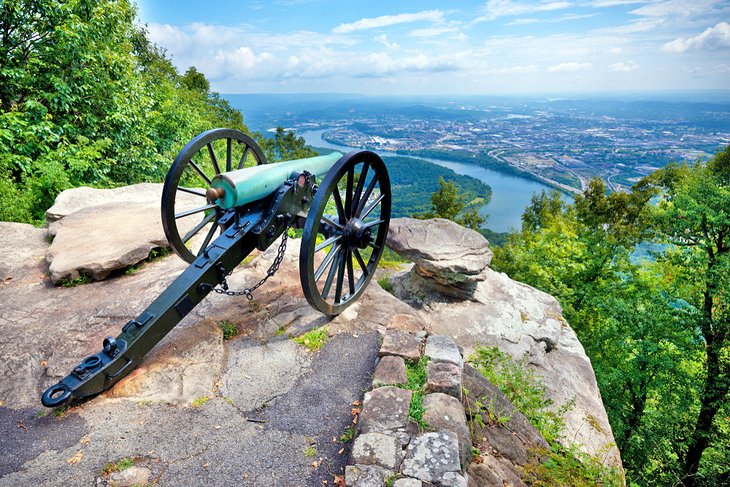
285, 146
450, 203
693, 216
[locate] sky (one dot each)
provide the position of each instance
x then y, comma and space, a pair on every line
426, 47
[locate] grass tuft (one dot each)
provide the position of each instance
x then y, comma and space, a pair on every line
119, 466
199, 402
313, 340
229, 329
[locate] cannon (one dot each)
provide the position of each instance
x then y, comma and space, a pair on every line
220, 201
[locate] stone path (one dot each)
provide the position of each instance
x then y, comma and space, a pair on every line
391, 447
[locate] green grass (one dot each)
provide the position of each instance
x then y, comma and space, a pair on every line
119, 466
310, 452
156, 253
313, 340
200, 402
79, 281
348, 435
384, 282
229, 329
416, 382
280, 331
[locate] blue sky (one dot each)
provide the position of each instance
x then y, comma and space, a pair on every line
464, 47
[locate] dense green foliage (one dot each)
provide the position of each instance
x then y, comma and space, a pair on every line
414, 181
85, 99
656, 330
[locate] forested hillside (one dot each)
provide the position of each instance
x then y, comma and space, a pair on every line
658, 330
86, 99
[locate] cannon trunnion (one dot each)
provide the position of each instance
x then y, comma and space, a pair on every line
245, 204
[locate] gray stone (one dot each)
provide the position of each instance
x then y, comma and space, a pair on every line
391, 369
402, 344
493, 472
129, 477
100, 239
450, 255
407, 482
443, 377
385, 408
443, 349
431, 455
376, 449
443, 412
366, 475
75, 199
23, 252
451, 479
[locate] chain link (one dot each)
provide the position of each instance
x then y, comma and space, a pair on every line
248, 292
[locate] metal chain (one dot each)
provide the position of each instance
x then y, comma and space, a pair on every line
248, 292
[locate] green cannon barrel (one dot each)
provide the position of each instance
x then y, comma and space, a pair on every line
254, 183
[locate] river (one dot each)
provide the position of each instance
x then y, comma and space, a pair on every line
510, 194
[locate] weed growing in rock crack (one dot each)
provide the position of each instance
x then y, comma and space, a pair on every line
60, 411
416, 382
564, 465
119, 466
310, 452
313, 340
82, 279
199, 402
390, 480
229, 329
384, 282
348, 435
280, 331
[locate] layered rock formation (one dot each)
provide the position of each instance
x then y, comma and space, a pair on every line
303, 399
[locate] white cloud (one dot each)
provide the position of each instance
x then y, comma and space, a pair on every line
532, 68
570, 67
623, 67
506, 8
388, 20
562, 18
717, 37
383, 39
676, 8
432, 31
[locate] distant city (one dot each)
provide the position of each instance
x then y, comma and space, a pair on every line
561, 142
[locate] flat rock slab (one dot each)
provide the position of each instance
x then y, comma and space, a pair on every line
443, 377
431, 456
401, 344
390, 370
366, 476
408, 483
441, 249
23, 251
385, 408
442, 412
441, 348
376, 449
75, 199
100, 239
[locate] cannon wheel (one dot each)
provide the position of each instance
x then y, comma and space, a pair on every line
344, 235
204, 157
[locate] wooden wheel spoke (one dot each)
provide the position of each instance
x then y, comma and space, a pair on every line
350, 273
242, 162
348, 193
372, 207
229, 147
195, 210
366, 195
332, 223
340, 276
208, 238
331, 275
213, 159
326, 262
196, 192
338, 202
327, 242
200, 172
199, 226
360, 184
372, 224
361, 262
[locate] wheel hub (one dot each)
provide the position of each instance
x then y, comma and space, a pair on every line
357, 235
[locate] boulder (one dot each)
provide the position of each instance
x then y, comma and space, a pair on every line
431, 457
385, 408
452, 256
75, 199
443, 377
442, 349
23, 252
442, 412
376, 449
401, 344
